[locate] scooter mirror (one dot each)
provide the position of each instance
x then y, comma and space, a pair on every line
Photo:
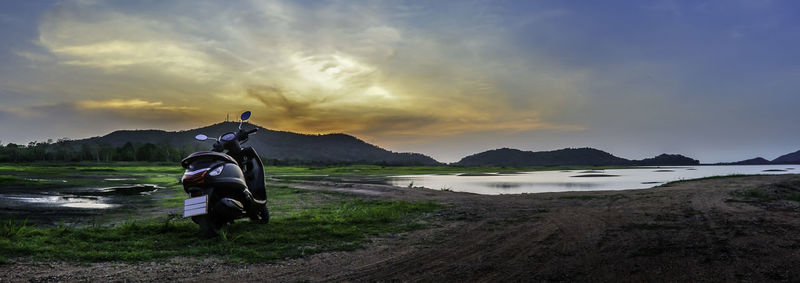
245, 115
201, 137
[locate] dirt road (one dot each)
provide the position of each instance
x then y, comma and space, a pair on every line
727, 229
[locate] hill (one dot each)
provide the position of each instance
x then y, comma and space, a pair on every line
751, 161
666, 160
281, 146
567, 157
791, 158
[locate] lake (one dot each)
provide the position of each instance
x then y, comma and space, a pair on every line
578, 180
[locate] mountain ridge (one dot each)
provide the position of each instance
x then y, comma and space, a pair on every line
285, 147
275, 145
790, 158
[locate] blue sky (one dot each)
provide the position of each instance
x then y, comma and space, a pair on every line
715, 80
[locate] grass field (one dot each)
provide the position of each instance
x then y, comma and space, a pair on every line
303, 222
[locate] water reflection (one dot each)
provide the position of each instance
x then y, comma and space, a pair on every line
506, 185
593, 175
588, 180
26, 201
79, 198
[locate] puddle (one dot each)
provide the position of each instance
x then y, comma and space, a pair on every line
18, 202
46, 180
81, 205
143, 189
89, 205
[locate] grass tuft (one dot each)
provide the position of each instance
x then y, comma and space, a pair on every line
11, 227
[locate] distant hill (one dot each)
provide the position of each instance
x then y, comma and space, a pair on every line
666, 160
567, 157
752, 161
276, 145
791, 158
281, 147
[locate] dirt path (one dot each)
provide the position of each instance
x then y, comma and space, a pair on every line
731, 229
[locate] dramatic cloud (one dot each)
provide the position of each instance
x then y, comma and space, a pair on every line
332, 67
630, 77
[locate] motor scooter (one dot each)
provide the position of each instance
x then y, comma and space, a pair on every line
226, 183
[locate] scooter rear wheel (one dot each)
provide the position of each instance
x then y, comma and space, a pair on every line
209, 227
263, 214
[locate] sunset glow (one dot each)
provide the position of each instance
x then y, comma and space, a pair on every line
714, 80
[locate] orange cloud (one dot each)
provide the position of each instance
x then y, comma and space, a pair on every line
130, 104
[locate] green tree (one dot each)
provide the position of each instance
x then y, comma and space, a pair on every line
108, 152
149, 152
12, 150
127, 152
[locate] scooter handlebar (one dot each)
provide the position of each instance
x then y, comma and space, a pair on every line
243, 135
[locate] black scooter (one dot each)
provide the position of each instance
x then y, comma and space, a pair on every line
225, 187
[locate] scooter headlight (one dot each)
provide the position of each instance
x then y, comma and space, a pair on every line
216, 171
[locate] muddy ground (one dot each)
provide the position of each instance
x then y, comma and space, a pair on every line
725, 229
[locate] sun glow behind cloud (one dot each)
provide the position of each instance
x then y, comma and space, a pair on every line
539, 74
307, 70
131, 104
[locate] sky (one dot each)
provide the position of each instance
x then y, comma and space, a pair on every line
714, 80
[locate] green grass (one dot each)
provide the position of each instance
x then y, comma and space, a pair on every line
45, 175
303, 222
12, 227
342, 225
14, 181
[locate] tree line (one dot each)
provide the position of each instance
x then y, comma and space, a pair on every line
67, 150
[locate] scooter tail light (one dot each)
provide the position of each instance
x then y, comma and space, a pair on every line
195, 177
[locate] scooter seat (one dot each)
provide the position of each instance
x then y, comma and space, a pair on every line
207, 154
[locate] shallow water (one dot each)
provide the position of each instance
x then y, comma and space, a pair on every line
578, 180
75, 205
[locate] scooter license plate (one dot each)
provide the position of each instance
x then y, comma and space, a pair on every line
195, 206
